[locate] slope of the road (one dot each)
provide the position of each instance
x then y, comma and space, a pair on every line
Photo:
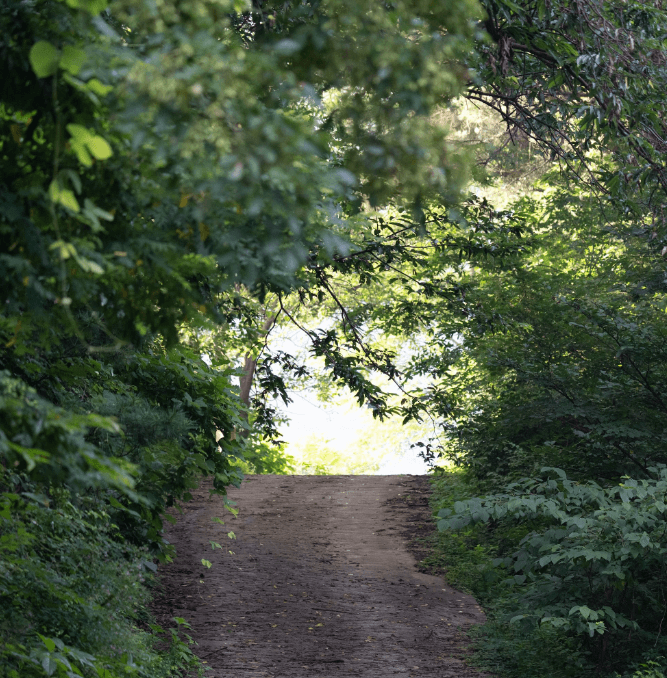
320, 582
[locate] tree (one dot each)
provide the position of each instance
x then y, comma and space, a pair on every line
583, 80
164, 168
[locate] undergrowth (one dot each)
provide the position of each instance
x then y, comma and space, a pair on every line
472, 556
75, 596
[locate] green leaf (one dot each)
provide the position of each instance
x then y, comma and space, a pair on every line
206, 563
80, 135
84, 143
63, 196
49, 644
89, 266
65, 249
73, 177
30, 455
100, 148
49, 664
43, 59
72, 59
94, 214
95, 86
91, 6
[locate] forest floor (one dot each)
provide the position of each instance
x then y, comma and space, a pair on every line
322, 582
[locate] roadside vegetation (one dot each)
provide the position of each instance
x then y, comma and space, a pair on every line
531, 627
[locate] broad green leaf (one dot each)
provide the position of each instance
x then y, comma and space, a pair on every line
72, 59
49, 644
73, 178
78, 142
91, 6
100, 148
49, 664
44, 59
95, 86
65, 249
84, 143
89, 266
32, 456
94, 214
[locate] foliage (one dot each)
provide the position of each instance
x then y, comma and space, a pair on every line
466, 558
314, 455
466, 554
74, 592
177, 178
570, 375
652, 668
50, 443
558, 364
591, 563
595, 560
164, 168
266, 458
583, 80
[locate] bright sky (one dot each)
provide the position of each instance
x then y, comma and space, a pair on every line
345, 428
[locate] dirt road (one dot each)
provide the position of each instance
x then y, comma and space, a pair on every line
320, 584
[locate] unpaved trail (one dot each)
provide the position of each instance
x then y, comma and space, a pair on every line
321, 582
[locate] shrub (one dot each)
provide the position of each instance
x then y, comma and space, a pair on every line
74, 593
592, 564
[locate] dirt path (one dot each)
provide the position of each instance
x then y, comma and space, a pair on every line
321, 582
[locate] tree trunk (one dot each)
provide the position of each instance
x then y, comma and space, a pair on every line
249, 367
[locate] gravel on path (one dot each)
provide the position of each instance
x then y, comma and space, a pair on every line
321, 582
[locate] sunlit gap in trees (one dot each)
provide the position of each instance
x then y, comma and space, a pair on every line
326, 432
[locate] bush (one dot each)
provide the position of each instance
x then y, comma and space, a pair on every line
591, 565
468, 558
74, 593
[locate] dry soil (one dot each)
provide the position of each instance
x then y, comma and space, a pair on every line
322, 582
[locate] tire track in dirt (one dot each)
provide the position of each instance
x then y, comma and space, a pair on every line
321, 583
